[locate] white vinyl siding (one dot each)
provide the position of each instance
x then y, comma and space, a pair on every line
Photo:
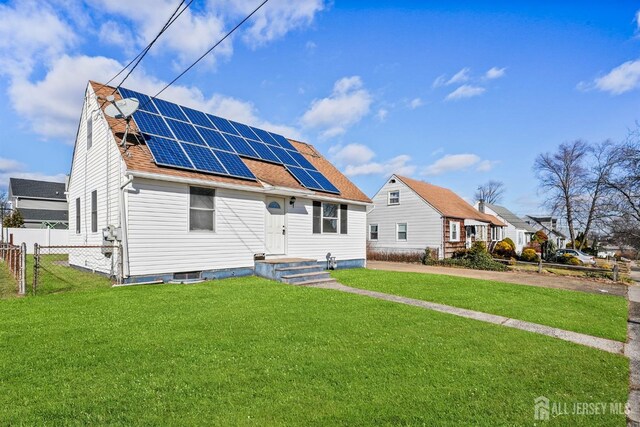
89, 132
423, 221
301, 242
454, 231
99, 168
159, 236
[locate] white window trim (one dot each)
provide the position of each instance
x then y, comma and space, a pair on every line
215, 216
457, 226
337, 218
406, 228
378, 232
389, 197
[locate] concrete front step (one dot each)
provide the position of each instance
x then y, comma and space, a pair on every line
323, 282
301, 269
305, 277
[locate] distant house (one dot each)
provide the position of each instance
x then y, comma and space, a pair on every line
549, 225
193, 195
411, 215
517, 229
42, 204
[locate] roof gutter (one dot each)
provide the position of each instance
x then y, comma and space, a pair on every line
268, 189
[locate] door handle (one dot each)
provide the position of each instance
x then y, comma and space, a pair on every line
283, 231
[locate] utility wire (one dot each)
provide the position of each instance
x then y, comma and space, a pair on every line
207, 52
174, 16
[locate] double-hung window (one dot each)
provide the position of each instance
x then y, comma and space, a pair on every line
394, 197
78, 216
94, 211
330, 218
373, 231
454, 231
402, 231
201, 209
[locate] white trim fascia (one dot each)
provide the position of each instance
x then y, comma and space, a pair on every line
279, 191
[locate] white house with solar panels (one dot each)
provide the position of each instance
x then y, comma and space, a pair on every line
176, 194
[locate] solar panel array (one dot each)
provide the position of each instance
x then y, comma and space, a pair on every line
185, 138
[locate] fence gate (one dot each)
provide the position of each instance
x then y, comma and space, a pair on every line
74, 266
15, 258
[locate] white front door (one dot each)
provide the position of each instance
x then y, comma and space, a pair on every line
276, 233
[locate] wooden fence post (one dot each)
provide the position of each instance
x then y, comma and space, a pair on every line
616, 271
540, 265
22, 282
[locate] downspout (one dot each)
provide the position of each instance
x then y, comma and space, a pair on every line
123, 226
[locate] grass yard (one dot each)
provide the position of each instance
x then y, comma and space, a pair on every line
56, 276
8, 285
248, 351
599, 315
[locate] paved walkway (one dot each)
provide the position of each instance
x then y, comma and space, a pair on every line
632, 351
610, 346
518, 278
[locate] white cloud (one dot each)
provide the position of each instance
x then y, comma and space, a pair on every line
621, 79
10, 168
356, 159
486, 165
459, 77
495, 73
450, 163
439, 81
637, 19
31, 33
415, 103
351, 154
465, 91
348, 103
381, 115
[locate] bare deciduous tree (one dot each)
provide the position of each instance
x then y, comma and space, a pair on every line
490, 192
562, 175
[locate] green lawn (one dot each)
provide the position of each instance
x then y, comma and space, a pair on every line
8, 285
55, 276
598, 315
248, 351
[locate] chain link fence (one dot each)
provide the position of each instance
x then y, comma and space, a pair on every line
63, 268
14, 257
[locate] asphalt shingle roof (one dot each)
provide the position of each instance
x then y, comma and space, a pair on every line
44, 215
38, 189
511, 218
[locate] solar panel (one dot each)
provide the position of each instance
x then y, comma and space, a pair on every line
182, 137
197, 117
241, 146
323, 181
185, 132
263, 151
168, 153
152, 124
203, 158
301, 160
264, 136
223, 124
144, 100
304, 178
245, 130
214, 139
170, 109
234, 165
282, 141
284, 156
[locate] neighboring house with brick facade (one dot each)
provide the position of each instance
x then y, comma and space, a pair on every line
411, 215
171, 221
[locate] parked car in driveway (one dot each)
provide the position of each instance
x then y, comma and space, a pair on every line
584, 258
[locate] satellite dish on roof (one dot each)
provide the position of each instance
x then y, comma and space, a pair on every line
121, 109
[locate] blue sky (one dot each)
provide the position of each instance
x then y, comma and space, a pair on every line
451, 94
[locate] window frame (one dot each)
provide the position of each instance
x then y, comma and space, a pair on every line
94, 211
213, 210
377, 232
336, 218
389, 202
78, 217
406, 231
457, 228
89, 132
